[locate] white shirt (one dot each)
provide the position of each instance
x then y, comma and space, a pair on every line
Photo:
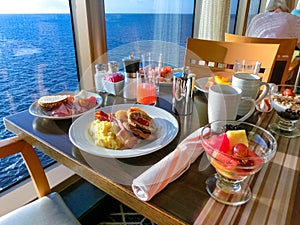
275, 25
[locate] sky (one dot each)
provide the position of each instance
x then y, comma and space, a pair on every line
34, 6
112, 6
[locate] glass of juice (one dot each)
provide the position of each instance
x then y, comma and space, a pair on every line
146, 90
148, 80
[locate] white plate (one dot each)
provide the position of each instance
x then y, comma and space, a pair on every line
200, 84
167, 130
37, 111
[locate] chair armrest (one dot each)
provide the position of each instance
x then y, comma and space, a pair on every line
13, 145
294, 64
293, 70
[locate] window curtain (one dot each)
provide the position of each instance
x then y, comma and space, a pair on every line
213, 19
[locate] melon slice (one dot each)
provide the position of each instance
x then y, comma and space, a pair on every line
237, 137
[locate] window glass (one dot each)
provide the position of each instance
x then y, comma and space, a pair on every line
140, 25
37, 58
233, 15
254, 9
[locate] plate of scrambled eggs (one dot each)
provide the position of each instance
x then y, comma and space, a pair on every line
167, 129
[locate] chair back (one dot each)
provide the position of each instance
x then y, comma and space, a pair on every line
283, 58
206, 57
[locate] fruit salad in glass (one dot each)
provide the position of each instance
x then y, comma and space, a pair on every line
236, 150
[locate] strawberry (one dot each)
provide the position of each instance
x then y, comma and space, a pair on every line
165, 70
288, 92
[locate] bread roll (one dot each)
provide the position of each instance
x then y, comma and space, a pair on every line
121, 115
141, 120
53, 101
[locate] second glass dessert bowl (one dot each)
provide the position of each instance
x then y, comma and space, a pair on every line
286, 102
236, 150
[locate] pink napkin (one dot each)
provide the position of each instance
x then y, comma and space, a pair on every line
169, 168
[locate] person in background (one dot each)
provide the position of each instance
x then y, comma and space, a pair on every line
276, 22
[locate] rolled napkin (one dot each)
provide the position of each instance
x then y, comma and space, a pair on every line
154, 179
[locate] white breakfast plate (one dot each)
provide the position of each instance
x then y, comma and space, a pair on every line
167, 130
200, 84
37, 111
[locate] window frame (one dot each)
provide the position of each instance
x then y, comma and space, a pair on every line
88, 23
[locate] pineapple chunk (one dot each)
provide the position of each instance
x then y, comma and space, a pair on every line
237, 137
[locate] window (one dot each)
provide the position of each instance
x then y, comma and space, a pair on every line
242, 13
37, 55
253, 10
233, 16
37, 58
141, 26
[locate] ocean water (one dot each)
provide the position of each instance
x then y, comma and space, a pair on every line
37, 57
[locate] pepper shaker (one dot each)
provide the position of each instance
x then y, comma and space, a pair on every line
131, 68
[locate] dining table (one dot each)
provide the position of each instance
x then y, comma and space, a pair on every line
275, 188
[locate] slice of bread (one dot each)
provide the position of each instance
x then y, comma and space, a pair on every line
53, 101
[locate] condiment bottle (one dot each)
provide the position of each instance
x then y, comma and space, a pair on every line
131, 68
99, 77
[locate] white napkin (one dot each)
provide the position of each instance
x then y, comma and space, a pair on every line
169, 168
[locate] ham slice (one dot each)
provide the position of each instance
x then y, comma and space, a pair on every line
125, 136
70, 108
61, 111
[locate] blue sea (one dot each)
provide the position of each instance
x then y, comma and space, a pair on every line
37, 57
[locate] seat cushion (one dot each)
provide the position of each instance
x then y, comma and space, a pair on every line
50, 209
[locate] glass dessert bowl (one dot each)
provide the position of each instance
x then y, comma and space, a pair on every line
236, 150
286, 102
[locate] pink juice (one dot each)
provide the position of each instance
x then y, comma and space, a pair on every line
146, 93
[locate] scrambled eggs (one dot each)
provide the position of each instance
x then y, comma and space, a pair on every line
104, 135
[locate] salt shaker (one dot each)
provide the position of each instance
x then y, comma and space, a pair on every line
99, 77
131, 67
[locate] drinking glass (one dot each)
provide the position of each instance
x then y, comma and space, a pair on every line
146, 89
148, 81
247, 66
